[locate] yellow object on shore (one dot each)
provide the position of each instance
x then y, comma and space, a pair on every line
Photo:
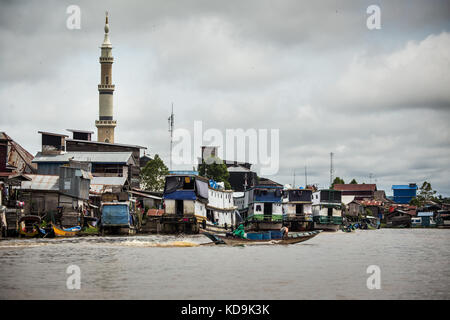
63, 233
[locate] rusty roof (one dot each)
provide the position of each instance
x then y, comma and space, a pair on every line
369, 203
355, 187
155, 212
18, 157
41, 182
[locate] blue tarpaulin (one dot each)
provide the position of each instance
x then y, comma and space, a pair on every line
181, 195
116, 215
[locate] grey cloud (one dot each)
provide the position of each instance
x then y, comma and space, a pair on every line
287, 65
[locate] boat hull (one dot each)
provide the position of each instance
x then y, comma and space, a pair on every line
292, 239
326, 227
32, 234
65, 233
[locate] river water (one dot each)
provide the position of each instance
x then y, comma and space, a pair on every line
414, 264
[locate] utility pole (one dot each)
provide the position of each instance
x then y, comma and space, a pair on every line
331, 168
306, 178
171, 121
293, 184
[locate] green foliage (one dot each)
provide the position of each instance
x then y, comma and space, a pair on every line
415, 202
425, 194
215, 169
441, 199
337, 180
90, 230
353, 182
153, 174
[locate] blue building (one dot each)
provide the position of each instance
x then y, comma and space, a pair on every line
404, 193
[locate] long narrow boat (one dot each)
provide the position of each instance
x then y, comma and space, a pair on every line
293, 237
67, 232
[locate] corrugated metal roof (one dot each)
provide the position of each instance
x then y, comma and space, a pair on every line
53, 134
145, 195
404, 186
109, 181
107, 143
355, 187
18, 157
41, 182
424, 214
96, 157
370, 203
238, 169
81, 131
155, 212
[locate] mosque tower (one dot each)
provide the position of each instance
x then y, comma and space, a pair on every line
105, 125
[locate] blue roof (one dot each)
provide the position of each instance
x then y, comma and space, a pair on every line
425, 214
404, 186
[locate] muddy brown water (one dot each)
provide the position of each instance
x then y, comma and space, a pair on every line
414, 264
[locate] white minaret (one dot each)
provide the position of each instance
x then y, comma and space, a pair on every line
105, 125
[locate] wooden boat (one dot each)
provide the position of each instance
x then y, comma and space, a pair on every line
67, 232
29, 226
293, 237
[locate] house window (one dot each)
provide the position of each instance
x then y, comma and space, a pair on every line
258, 207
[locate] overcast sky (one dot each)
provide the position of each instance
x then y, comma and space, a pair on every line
378, 99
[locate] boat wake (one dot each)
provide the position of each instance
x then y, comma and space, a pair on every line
138, 243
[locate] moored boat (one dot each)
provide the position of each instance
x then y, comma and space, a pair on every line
29, 226
66, 232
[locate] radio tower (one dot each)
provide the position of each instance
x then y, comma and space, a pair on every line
171, 120
331, 168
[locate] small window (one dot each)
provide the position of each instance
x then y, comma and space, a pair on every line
106, 79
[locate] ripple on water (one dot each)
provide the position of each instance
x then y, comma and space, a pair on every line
414, 264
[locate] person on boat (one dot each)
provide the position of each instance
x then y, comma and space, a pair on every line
239, 232
284, 232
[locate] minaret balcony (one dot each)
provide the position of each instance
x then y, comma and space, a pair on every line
105, 123
107, 59
106, 87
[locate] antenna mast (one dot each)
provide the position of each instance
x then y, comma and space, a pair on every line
331, 169
293, 184
306, 178
171, 120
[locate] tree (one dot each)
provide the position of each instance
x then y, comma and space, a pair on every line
215, 169
153, 174
426, 193
337, 180
353, 182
